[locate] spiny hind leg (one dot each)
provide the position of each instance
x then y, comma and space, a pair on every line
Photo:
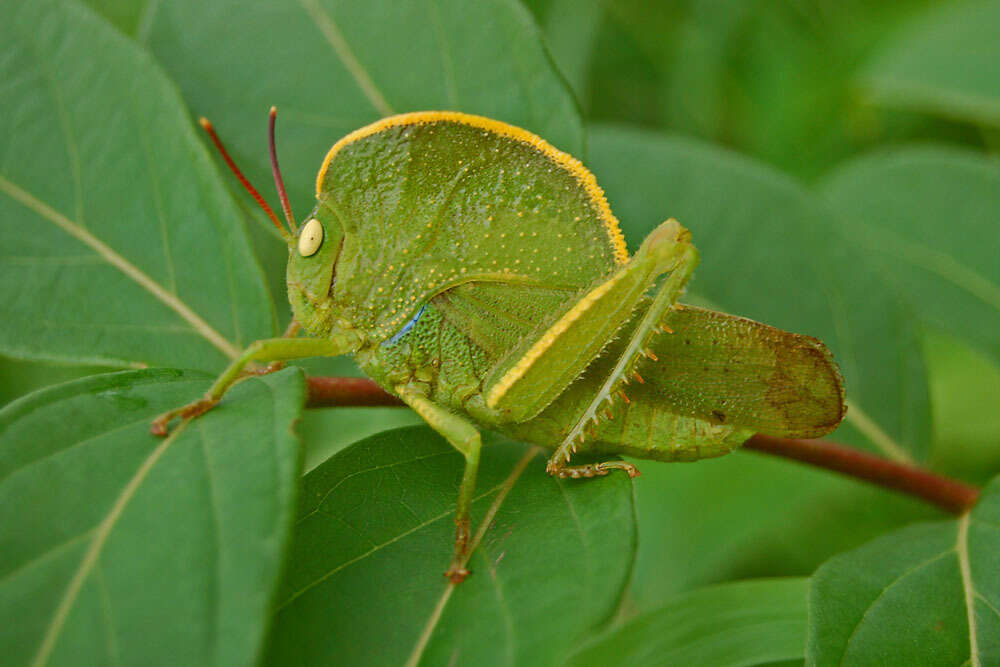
463, 436
636, 348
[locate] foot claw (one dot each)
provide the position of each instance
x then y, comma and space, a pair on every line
158, 427
591, 470
456, 575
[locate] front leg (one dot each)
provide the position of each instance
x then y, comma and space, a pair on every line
270, 349
463, 436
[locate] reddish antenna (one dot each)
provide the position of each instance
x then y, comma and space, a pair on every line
207, 125
278, 181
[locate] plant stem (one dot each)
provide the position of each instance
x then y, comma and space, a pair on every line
326, 392
949, 494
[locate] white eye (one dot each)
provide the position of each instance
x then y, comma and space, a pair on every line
311, 238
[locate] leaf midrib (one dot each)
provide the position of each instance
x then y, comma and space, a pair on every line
961, 550
326, 25
93, 553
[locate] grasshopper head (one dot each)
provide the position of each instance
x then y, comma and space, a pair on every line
312, 269
312, 250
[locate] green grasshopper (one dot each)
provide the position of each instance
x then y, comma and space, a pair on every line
478, 273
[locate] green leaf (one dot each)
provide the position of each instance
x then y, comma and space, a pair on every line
965, 390
570, 28
122, 548
928, 594
928, 217
730, 518
743, 623
770, 251
374, 535
332, 67
326, 432
119, 247
944, 63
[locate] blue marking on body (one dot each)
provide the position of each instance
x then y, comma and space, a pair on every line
406, 328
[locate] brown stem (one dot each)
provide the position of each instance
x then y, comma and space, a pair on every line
329, 392
949, 494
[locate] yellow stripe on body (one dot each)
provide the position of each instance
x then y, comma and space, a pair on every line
517, 371
564, 160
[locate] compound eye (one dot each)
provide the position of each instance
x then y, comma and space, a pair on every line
311, 238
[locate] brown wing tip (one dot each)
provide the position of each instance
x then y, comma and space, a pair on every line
829, 395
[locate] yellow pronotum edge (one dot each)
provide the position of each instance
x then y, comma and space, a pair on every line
517, 371
564, 160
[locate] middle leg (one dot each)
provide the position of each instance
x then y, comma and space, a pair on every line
463, 436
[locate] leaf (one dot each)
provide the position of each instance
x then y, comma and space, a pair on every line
927, 594
570, 28
770, 251
928, 217
332, 67
944, 63
742, 623
965, 390
731, 518
119, 248
374, 536
122, 548
326, 432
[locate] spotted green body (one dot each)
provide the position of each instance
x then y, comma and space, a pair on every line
479, 273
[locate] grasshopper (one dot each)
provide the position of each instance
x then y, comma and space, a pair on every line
478, 273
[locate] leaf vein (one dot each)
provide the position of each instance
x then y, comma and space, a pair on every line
962, 548
131, 271
329, 28
871, 605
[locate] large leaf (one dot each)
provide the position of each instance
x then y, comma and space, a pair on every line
374, 534
119, 246
332, 66
929, 216
326, 432
945, 62
731, 625
121, 548
570, 28
771, 251
928, 594
731, 518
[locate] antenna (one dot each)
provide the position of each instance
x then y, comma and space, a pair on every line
207, 125
278, 181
